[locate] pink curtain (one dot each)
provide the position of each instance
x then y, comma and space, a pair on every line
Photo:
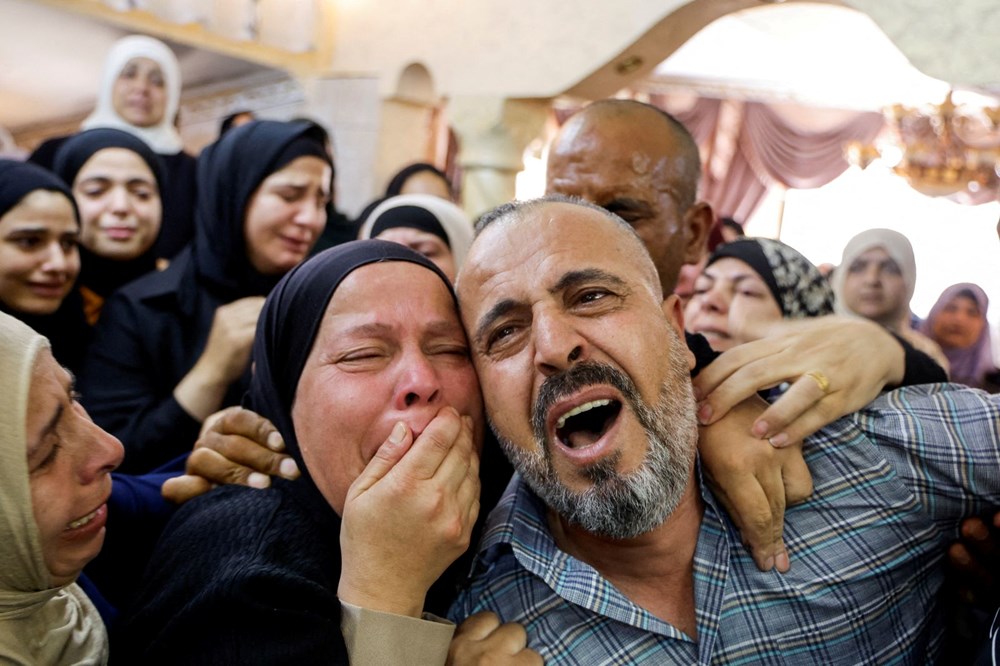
796, 158
769, 150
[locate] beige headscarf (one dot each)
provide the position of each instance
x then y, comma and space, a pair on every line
897, 246
39, 624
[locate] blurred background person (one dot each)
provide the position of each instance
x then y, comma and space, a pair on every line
957, 322
875, 280
140, 94
430, 225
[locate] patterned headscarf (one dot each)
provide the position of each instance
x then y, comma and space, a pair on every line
796, 284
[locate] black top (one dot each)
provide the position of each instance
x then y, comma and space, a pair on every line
153, 331
240, 576
246, 576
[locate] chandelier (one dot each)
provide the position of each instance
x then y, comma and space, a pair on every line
944, 149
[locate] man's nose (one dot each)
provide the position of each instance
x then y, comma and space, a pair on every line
557, 343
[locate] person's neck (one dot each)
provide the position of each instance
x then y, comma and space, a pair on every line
654, 570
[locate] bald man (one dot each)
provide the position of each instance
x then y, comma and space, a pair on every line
608, 547
643, 165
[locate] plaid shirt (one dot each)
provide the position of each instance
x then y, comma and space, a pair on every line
891, 484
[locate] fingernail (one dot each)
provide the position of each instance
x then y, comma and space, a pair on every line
760, 429
781, 561
697, 393
779, 440
960, 556
398, 433
258, 480
289, 469
769, 563
704, 413
275, 441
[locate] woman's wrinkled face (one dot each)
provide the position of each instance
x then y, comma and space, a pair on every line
286, 215
730, 300
119, 202
69, 471
39, 259
139, 94
959, 323
425, 243
391, 348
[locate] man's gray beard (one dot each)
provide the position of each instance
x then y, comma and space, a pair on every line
617, 505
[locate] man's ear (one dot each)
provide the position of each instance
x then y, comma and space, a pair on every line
674, 310
699, 219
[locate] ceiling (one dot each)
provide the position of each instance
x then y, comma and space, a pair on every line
50, 64
813, 54
816, 54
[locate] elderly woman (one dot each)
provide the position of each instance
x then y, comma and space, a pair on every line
55, 481
751, 282
957, 322
363, 341
116, 180
435, 228
172, 347
39, 260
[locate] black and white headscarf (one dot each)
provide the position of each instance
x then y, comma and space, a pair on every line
796, 284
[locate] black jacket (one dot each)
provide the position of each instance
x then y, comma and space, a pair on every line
149, 336
241, 576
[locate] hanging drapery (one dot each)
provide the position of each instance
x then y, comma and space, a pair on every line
753, 147
799, 158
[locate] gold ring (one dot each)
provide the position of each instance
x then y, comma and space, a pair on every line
822, 381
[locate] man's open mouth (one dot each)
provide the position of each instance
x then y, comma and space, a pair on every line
585, 424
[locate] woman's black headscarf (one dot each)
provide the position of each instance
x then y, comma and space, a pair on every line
100, 274
290, 322
229, 171
65, 328
796, 284
19, 179
77, 149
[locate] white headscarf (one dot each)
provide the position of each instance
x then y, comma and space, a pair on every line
896, 246
39, 623
452, 219
163, 137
